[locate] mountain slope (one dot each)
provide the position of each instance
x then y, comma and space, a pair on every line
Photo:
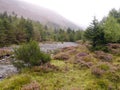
43, 15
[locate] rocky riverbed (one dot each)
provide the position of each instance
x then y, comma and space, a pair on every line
7, 69
54, 46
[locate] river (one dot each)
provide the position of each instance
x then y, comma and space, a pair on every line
54, 46
9, 69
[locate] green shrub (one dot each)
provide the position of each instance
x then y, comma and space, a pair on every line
19, 65
16, 82
104, 67
100, 47
30, 54
115, 78
45, 57
31, 86
97, 72
103, 84
62, 56
104, 56
100, 69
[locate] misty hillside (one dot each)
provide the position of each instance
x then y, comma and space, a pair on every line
43, 15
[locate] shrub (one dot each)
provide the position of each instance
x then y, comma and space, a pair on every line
30, 54
45, 68
16, 82
114, 77
62, 56
72, 52
97, 71
82, 54
45, 57
19, 65
104, 67
113, 45
100, 47
88, 58
114, 48
103, 56
32, 86
104, 84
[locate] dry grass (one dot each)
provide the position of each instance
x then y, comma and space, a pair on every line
32, 86
5, 52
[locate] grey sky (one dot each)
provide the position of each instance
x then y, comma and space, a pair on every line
81, 12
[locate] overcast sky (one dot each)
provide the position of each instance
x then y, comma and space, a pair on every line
81, 12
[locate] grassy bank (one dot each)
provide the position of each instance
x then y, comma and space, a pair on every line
74, 68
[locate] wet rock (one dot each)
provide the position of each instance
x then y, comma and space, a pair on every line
7, 70
1, 76
5, 60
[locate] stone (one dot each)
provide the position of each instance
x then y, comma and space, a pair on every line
1, 76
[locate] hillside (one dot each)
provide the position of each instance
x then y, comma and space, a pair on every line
43, 15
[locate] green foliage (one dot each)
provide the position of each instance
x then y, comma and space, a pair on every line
97, 72
103, 84
67, 75
112, 30
104, 67
114, 13
105, 31
16, 83
95, 33
19, 65
100, 47
15, 30
115, 78
30, 54
45, 58
68, 35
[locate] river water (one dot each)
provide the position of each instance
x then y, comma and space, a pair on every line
7, 70
53, 46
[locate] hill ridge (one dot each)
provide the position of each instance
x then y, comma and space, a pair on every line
27, 10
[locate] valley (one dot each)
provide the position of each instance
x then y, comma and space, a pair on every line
42, 50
